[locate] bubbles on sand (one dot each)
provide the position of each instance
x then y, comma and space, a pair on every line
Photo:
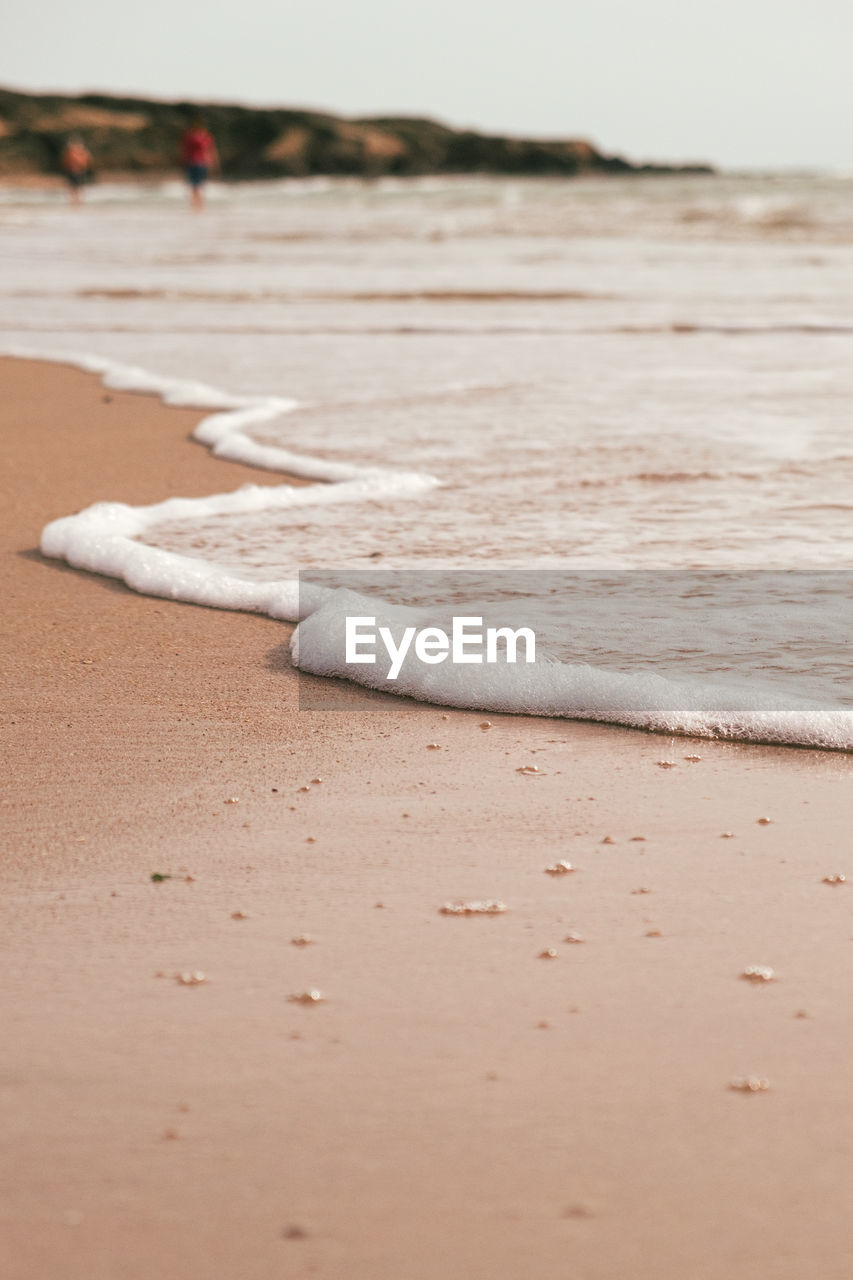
758, 973
750, 1084
484, 907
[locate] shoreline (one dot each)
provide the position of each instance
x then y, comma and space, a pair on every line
459, 1105
111, 541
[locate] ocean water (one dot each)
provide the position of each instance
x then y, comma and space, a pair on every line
636, 376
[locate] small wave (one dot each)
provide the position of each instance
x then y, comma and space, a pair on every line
575, 691
660, 477
723, 475
524, 328
109, 538
473, 295
303, 331
689, 327
131, 293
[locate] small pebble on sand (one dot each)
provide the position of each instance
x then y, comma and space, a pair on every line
666, 764
749, 1084
764, 822
653, 933
485, 724
727, 835
579, 1211
693, 759
301, 940
484, 907
232, 800
638, 838
574, 936
642, 889
758, 973
307, 997
239, 915
837, 879
608, 840
315, 781
548, 954
527, 768
561, 868
191, 978
433, 746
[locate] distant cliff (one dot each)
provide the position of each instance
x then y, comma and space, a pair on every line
140, 136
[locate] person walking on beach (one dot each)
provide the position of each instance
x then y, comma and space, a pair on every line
77, 166
199, 158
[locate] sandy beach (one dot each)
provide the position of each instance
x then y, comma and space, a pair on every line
462, 1103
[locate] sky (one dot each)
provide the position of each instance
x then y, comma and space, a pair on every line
740, 83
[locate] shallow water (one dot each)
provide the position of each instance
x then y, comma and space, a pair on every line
630, 374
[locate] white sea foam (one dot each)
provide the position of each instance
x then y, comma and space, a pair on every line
577, 691
109, 538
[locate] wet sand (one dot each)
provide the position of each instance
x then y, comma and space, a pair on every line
458, 1105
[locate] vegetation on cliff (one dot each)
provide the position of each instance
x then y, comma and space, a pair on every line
139, 136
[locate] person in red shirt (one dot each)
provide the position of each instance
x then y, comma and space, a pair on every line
199, 158
77, 166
